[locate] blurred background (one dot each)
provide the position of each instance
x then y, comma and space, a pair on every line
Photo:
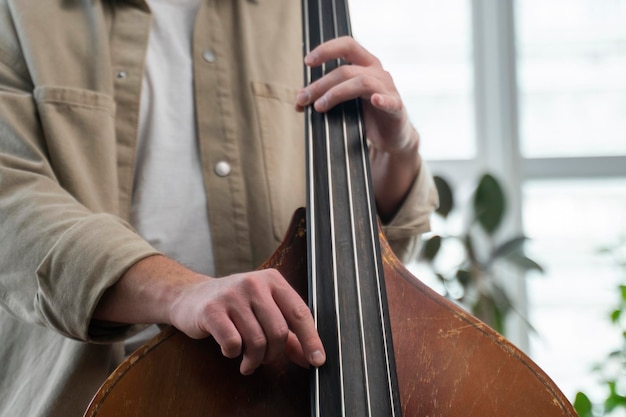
532, 92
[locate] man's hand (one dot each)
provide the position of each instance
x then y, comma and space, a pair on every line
257, 314
394, 142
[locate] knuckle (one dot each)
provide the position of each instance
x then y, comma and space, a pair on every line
311, 342
213, 316
251, 285
257, 343
301, 312
276, 279
231, 346
279, 334
348, 71
212, 309
367, 83
273, 273
227, 296
317, 89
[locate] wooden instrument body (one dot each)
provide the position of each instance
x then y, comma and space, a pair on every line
448, 363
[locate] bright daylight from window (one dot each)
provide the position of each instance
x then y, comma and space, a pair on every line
569, 142
427, 48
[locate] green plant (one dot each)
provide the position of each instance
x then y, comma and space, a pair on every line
612, 370
479, 274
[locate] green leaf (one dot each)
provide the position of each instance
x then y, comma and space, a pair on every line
464, 277
431, 248
622, 289
489, 203
616, 353
615, 315
613, 401
446, 199
583, 405
524, 263
510, 246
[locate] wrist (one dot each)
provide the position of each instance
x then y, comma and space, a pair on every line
146, 292
394, 172
408, 146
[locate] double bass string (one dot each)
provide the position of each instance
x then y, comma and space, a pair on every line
357, 275
372, 227
333, 241
345, 269
331, 216
312, 214
328, 137
311, 219
370, 218
333, 236
377, 266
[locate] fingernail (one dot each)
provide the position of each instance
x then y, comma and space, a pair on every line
321, 103
309, 58
246, 372
317, 358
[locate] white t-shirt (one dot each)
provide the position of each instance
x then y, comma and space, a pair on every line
169, 206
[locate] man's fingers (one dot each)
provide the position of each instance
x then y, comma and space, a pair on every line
251, 314
301, 322
345, 48
343, 84
389, 104
226, 335
274, 327
293, 351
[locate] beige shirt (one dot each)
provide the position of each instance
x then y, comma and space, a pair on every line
70, 81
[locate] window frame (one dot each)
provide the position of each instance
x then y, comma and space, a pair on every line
497, 134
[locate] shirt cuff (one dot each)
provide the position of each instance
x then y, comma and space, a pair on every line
413, 218
88, 258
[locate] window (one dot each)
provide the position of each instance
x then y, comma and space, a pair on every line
569, 221
572, 124
535, 93
572, 61
426, 46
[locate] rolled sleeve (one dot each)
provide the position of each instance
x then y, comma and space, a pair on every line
68, 288
413, 218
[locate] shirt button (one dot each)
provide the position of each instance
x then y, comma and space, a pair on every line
121, 75
209, 57
222, 168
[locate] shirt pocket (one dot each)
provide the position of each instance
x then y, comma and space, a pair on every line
79, 132
282, 137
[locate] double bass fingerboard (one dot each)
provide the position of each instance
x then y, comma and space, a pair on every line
346, 282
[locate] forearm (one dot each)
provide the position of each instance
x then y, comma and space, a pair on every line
146, 292
393, 173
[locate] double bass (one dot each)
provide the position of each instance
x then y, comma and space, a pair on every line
394, 347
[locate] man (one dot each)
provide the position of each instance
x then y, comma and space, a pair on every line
84, 128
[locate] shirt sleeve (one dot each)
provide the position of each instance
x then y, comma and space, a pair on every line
59, 250
413, 218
